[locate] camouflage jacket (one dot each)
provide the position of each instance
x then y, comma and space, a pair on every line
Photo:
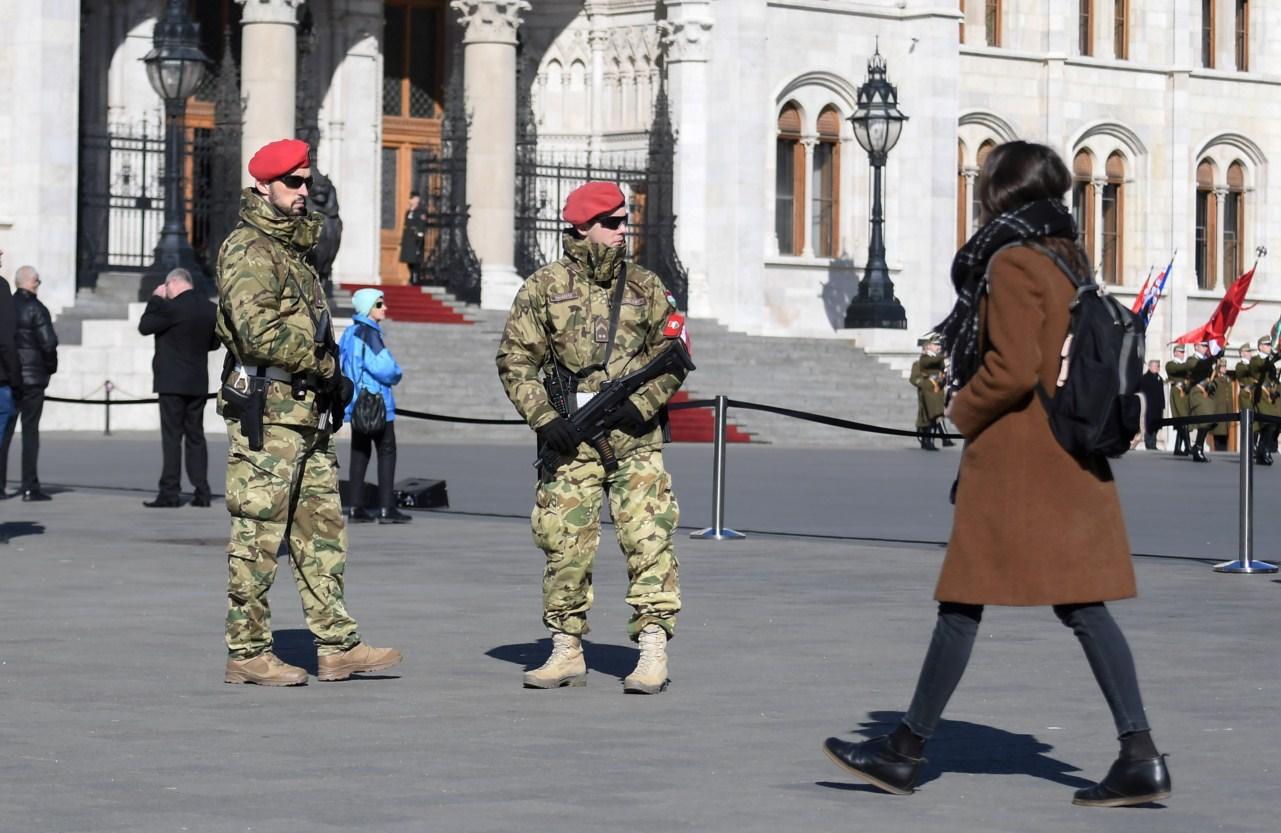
561, 313
269, 300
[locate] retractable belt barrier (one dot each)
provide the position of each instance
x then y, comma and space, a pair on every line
1245, 418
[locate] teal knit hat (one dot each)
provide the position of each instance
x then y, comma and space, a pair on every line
364, 299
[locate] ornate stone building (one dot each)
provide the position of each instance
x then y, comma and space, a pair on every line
1163, 108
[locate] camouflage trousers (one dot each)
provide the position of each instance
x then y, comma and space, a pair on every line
289, 488
566, 524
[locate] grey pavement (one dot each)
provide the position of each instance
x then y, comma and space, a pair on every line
116, 718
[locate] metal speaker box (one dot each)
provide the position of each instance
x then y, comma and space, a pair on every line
422, 493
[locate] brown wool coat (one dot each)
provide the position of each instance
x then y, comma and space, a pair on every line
1033, 525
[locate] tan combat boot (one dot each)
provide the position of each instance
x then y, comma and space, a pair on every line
650, 676
565, 666
355, 660
264, 669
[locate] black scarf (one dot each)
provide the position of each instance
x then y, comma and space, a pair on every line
959, 332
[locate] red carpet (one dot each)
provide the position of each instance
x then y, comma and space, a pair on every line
698, 425
413, 303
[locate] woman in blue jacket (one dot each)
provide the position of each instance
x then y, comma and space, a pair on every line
370, 366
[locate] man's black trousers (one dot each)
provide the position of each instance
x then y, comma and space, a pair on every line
182, 429
28, 407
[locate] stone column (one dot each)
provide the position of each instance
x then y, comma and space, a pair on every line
685, 36
597, 39
268, 65
489, 81
1220, 250
807, 197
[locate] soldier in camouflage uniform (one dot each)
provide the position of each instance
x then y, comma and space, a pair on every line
271, 305
927, 376
1267, 398
1176, 371
561, 315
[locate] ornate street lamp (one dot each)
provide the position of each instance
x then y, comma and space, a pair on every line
175, 68
877, 124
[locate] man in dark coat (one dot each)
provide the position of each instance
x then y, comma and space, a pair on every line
37, 348
412, 239
1152, 386
183, 323
10, 371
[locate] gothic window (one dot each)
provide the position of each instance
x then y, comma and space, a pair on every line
1121, 30
1241, 37
1206, 222
1083, 199
826, 177
1113, 205
1085, 27
1207, 33
992, 22
412, 52
962, 197
789, 182
1234, 224
976, 211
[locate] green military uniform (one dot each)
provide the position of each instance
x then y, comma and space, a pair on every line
270, 301
1176, 371
561, 314
928, 376
1247, 384
1201, 387
1267, 399
1223, 404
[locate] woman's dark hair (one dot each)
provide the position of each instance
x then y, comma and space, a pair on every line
1017, 173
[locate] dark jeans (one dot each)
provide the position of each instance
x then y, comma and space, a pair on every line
29, 406
1149, 440
1105, 649
360, 447
182, 429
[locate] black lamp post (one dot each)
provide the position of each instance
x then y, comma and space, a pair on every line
175, 68
877, 124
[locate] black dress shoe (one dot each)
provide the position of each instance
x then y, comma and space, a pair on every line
1198, 455
34, 495
876, 763
162, 502
360, 515
200, 500
1127, 783
393, 516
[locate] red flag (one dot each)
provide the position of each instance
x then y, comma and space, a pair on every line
1142, 297
1224, 316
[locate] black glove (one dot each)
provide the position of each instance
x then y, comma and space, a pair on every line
560, 436
627, 417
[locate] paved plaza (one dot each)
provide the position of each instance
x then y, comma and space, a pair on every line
116, 718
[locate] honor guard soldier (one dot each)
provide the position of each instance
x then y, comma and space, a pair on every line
1201, 386
927, 377
1264, 368
281, 390
1223, 403
581, 322
1176, 371
1247, 380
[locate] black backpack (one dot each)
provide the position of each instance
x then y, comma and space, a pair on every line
1095, 409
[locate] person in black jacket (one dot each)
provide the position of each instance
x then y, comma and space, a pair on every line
183, 323
10, 371
1152, 386
37, 349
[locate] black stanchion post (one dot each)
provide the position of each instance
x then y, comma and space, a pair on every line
1245, 562
106, 407
717, 531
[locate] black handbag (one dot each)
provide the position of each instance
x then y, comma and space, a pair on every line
369, 414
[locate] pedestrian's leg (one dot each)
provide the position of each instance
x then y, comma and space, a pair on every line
32, 408
194, 447
566, 525
361, 445
172, 413
318, 547
7, 426
645, 516
945, 663
387, 467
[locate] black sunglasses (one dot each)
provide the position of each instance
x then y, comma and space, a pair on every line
294, 182
611, 222
378, 304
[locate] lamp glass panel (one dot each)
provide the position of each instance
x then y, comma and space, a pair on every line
894, 127
877, 133
859, 123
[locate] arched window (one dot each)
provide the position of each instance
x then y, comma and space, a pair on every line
1242, 35
1207, 33
992, 22
1234, 224
980, 158
962, 197
789, 182
1121, 30
1206, 220
825, 211
1113, 220
1085, 27
1083, 199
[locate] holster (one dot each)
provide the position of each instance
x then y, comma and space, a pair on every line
244, 398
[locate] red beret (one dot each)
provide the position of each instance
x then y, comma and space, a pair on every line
592, 200
278, 158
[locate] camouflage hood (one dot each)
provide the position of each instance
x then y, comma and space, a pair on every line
301, 233
597, 262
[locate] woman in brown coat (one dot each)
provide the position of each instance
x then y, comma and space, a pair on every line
1033, 524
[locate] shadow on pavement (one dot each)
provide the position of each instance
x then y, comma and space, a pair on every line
296, 647
17, 529
959, 746
616, 660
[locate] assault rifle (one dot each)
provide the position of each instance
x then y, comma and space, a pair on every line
591, 421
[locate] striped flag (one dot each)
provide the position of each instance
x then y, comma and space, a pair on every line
1145, 303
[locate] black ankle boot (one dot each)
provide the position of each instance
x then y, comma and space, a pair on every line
876, 763
392, 515
1127, 783
943, 438
1198, 455
360, 515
